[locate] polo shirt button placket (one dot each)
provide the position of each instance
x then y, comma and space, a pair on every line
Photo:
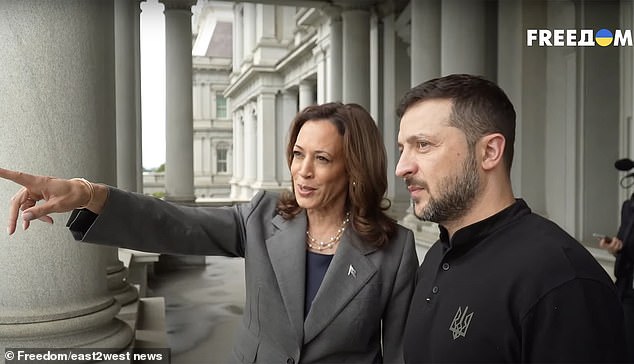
435, 290
445, 266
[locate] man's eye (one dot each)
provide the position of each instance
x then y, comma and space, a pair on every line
422, 145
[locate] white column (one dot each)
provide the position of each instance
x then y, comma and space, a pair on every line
238, 154
375, 70
238, 37
53, 290
319, 55
126, 128
179, 165
425, 40
287, 112
248, 23
335, 59
265, 15
393, 53
250, 150
125, 94
137, 96
265, 138
463, 37
306, 94
356, 56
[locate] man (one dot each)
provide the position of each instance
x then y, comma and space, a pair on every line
502, 284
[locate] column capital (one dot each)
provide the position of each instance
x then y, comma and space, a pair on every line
178, 4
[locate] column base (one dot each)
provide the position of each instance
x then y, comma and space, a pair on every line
246, 192
235, 190
95, 330
121, 290
118, 286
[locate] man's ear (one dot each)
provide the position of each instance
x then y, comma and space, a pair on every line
492, 147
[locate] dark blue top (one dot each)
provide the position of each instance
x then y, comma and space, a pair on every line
316, 267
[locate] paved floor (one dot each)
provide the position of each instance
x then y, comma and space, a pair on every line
203, 306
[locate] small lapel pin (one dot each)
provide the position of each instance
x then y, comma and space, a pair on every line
352, 272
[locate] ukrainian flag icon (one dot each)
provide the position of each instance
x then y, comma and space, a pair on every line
604, 37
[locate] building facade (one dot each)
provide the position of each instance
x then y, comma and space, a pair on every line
574, 103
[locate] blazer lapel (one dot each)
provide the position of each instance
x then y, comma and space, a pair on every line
348, 272
287, 252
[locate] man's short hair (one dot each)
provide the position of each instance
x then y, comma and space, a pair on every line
479, 107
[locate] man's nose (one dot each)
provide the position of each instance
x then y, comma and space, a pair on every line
405, 166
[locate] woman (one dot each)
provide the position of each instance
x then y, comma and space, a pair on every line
328, 275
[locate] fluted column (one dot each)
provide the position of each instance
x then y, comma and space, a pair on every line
250, 151
335, 85
58, 118
126, 129
356, 56
463, 37
425, 41
179, 165
238, 154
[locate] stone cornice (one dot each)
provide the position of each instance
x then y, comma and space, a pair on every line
253, 72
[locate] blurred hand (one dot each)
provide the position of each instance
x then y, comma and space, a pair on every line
613, 245
60, 195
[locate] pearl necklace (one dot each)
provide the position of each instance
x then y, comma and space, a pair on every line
323, 245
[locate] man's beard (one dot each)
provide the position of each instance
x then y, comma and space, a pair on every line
455, 195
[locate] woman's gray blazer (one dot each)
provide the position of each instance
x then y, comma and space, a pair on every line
361, 305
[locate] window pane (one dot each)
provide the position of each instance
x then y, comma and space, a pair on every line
221, 160
221, 107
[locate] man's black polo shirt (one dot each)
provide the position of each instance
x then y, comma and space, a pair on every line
513, 288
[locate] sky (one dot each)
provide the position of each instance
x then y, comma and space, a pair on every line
153, 83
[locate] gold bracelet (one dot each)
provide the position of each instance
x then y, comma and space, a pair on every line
91, 189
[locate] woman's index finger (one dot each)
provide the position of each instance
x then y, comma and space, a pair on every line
20, 178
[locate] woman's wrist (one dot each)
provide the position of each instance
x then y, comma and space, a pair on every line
97, 194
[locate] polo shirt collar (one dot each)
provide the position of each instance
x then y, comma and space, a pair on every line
472, 234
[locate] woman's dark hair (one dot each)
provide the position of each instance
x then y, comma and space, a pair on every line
365, 164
